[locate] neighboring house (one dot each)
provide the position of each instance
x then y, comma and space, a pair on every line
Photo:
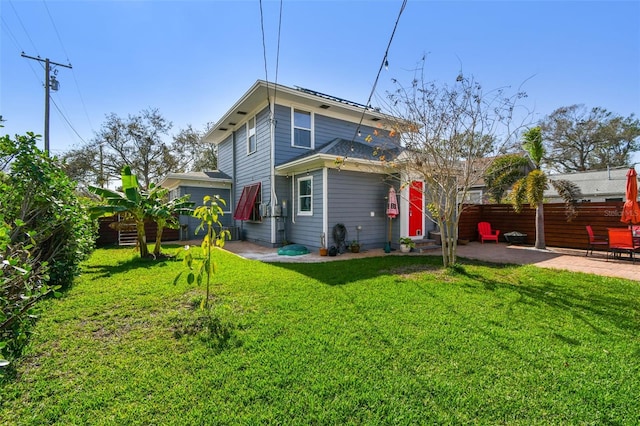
596, 186
199, 184
294, 176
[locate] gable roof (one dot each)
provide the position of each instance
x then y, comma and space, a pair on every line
214, 178
596, 184
256, 97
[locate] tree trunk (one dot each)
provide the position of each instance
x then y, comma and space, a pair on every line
157, 249
540, 242
449, 241
142, 239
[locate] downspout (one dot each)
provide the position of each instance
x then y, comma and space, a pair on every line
274, 198
234, 183
293, 197
325, 201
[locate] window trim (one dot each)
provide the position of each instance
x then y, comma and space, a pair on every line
310, 196
294, 127
249, 134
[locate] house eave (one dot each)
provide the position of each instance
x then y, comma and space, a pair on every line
257, 95
173, 180
319, 161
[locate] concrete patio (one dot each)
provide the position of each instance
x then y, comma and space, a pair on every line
555, 258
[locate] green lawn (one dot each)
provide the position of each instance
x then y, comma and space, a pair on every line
389, 340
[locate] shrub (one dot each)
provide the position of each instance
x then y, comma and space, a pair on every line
45, 233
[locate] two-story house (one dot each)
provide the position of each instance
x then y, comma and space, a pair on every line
294, 163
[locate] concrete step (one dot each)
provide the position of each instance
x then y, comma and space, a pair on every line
425, 242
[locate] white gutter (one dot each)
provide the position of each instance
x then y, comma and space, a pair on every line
325, 203
274, 198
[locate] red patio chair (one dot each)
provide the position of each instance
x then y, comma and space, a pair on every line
621, 240
595, 241
486, 233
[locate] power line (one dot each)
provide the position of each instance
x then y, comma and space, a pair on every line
275, 88
24, 28
384, 62
264, 55
84, 106
18, 47
67, 120
56, 30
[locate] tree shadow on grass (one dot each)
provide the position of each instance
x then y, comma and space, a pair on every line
619, 308
343, 272
103, 271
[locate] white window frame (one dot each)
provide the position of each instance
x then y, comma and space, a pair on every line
294, 127
252, 131
301, 196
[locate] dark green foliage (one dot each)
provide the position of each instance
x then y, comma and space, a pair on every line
503, 173
45, 234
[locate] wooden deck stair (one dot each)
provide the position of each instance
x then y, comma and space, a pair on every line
127, 238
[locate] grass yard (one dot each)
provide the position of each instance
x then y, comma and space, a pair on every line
389, 340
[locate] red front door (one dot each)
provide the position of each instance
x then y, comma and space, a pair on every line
416, 215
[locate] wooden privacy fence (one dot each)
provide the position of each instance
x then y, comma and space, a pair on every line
109, 236
558, 232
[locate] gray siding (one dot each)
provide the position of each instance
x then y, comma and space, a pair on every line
307, 230
325, 130
225, 156
283, 224
197, 194
352, 198
253, 168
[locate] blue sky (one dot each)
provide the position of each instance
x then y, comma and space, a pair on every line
193, 59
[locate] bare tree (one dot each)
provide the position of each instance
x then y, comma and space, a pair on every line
192, 153
450, 132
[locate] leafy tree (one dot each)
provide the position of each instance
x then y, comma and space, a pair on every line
45, 232
138, 141
192, 153
578, 139
530, 189
449, 131
208, 213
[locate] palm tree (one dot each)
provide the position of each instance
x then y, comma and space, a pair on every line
530, 189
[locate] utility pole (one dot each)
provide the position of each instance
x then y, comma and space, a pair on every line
50, 83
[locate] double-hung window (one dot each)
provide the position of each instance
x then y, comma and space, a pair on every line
252, 138
302, 129
305, 196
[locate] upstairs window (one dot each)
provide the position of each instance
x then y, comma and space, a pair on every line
305, 196
302, 134
252, 144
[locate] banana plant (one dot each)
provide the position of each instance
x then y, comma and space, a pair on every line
165, 213
132, 203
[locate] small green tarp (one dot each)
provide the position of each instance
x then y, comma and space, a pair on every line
293, 250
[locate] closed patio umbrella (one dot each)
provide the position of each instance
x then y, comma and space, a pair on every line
631, 209
392, 212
